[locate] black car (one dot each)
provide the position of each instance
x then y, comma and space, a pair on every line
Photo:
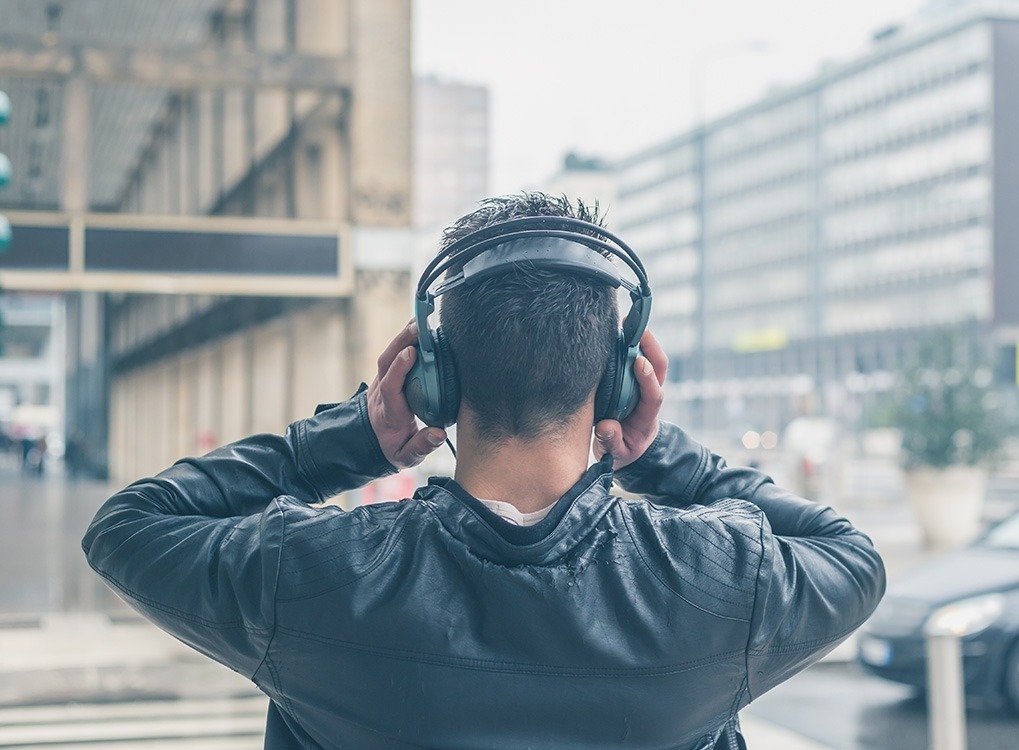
980, 586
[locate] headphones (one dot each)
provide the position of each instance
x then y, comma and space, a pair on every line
432, 387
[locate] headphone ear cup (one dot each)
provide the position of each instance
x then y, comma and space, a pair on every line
629, 390
449, 382
606, 395
416, 389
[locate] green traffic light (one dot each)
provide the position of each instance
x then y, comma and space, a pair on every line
5, 108
5, 233
5, 170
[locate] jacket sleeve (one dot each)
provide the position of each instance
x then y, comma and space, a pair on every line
819, 577
196, 549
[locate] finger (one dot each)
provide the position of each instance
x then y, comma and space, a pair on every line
419, 446
608, 438
391, 387
406, 337
651, 349
645, 414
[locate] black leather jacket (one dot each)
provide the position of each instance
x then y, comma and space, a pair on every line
433, 623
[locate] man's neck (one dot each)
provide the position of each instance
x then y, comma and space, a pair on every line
530, 474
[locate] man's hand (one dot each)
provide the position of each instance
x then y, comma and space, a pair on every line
402, 443
627, 440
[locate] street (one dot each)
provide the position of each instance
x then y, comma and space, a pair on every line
78, 668
838, 706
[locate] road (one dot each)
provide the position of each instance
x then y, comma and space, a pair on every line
78, 669
840, 707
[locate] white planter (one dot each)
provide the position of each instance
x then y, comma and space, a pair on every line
947, 503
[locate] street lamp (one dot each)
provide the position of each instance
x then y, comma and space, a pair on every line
703, 58
5, 172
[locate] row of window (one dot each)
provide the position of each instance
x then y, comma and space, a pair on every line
886, 129
908, 73
843, 234
786, 122
899, 267
882, 173
662, 200
760, 170
952, 302
934, 131
654, 169
791, 240
764, 287
919, 189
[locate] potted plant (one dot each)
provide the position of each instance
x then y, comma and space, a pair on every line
952, 433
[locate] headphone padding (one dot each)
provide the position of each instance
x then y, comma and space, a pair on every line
607, 393
449, 381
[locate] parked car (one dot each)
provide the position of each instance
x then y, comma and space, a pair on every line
981, 585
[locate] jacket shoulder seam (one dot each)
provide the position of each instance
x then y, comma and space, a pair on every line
808, 645
275, 585
304, 449
371, 568
753, 611
187, 616
697, 476
666, 586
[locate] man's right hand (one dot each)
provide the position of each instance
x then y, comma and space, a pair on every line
627, 440
402, 443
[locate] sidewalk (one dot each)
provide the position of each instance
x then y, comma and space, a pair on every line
762, 735
84, 678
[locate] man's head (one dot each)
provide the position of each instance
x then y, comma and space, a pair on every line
530, 347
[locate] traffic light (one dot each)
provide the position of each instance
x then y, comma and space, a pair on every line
5, 171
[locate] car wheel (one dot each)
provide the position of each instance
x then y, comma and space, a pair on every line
1012, 678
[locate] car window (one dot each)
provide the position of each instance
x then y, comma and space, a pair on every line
1005, 535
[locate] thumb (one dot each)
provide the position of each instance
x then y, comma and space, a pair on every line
608, 437
422, 443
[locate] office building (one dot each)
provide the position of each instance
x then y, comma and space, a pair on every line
801, 246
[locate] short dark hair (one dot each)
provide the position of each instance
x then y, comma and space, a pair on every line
529, 347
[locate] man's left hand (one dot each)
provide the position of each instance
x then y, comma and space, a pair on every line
402, 443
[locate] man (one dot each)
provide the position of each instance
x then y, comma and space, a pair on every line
520, 604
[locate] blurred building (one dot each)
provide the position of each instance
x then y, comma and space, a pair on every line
800, 246
452, 166
31, 366
452, 157
126, 114
590, 179
451, 150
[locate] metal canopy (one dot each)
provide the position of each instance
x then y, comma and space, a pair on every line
178, 255
178, 69
135, 56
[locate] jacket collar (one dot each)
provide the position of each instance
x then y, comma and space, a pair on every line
570, 520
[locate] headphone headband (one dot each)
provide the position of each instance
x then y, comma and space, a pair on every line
553, 242
533, 227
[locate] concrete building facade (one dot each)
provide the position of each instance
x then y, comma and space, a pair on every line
268, 134
799, 247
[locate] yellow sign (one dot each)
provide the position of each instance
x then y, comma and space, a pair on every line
761, 340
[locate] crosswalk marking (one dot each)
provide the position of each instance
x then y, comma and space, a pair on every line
221, 724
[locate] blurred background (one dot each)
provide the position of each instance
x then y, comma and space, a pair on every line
213, 212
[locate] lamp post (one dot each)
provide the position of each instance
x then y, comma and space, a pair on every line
5, 171
702, 60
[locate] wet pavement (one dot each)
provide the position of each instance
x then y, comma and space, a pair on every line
842, 708
79, 669
42, 568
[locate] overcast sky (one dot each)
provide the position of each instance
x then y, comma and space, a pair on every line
609, 77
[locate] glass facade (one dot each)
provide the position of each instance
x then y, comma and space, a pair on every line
798, 245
